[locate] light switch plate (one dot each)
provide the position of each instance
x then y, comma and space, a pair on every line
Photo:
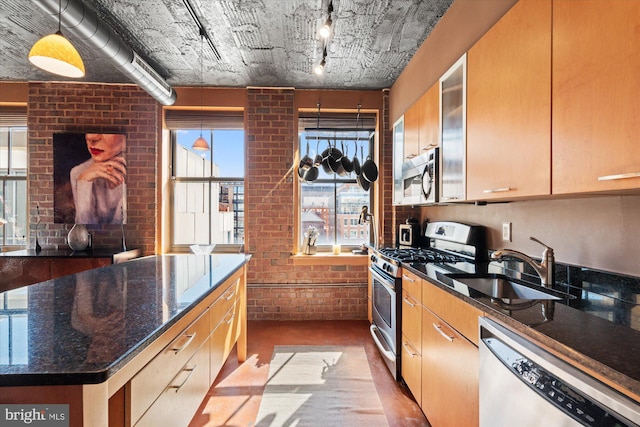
506, 231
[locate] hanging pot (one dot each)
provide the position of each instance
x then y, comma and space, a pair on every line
347, 165
301, 173
363, 183
306, 162
356, 162
311, 174
369, 170
317, 161
335, 157
326, 154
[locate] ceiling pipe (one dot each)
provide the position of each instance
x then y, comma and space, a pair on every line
83, 24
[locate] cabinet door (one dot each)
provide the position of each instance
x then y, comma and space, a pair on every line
429, 132
453, 122
412, 132
449, 375
596, 108
509, 106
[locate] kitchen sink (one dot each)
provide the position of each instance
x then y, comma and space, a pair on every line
502, 287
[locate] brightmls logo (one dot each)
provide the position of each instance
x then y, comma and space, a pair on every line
34, 415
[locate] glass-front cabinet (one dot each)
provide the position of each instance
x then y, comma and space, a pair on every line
398, 159
452, 120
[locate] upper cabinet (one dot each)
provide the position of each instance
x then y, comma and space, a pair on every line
453, 143
421, 124
596, 103
509, 106
429, 129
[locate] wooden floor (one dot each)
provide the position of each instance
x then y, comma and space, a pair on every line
235, 397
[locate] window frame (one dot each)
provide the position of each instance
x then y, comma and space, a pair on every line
301, 150
209, 181
8, 178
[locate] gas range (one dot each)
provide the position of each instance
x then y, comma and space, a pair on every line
453, 247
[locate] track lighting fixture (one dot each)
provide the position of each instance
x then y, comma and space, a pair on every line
319, 68
325, 30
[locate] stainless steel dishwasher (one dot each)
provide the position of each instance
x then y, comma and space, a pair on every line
523, 385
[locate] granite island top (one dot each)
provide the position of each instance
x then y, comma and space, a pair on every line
596, 325
82, 328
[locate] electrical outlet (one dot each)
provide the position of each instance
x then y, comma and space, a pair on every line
506, 231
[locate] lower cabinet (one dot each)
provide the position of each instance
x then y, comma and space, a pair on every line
439, 361
181, 398
170, 388
449, 374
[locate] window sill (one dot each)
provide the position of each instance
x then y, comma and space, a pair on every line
327, 258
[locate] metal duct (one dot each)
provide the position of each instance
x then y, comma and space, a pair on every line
83, 23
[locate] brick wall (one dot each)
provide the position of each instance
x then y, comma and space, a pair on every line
298, 302
60, 107
278, 288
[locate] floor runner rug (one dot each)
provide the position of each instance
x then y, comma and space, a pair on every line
320, 386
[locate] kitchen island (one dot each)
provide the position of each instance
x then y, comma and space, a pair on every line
125, 344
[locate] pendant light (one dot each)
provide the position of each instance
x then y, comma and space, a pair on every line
56, 55
201, 144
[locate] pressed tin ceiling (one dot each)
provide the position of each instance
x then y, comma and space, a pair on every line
260, 42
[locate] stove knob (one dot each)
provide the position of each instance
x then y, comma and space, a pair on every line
373, 258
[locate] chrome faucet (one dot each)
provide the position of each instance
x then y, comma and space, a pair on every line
545, 268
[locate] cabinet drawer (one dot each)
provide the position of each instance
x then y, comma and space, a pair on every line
457, 313
153, 378
221, 305
180, 399
412, 284
411, 317
223, 339
411, 367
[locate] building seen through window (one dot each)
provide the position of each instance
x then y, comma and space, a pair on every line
208, 189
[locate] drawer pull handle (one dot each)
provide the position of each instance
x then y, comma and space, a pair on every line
232, 292
191, 371
441, 332
411, 351
619, 176
407, 278
228, 322
498, 190
411, 304
185, 345
449, 198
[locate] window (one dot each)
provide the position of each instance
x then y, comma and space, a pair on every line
13, 177
332, 203
207, 186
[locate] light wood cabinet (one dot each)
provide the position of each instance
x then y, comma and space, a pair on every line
411, 359
161, 373
509, 105
449, 374
169, 389
412, 132
429, 131
596, 109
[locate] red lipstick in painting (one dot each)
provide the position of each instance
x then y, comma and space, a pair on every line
95, 151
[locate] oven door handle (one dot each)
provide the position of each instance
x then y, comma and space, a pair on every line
382, 280
383, 349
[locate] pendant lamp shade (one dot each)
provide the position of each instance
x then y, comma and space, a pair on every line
200, 144
56, 55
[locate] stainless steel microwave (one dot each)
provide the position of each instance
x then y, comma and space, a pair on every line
419, 182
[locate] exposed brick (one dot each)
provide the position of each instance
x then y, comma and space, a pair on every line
62, 107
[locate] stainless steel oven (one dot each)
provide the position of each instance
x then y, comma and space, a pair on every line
385, 313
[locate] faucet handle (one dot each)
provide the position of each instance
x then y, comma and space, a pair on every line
546, 247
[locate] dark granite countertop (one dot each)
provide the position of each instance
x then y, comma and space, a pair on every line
82, 328
97, 252
598, 326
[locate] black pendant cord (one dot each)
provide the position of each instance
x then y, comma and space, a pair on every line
38, 247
